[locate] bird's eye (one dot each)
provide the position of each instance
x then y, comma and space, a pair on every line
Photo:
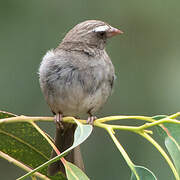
102, 33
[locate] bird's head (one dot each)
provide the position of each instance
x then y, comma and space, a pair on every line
92, 32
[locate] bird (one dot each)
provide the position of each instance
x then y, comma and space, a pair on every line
76, 78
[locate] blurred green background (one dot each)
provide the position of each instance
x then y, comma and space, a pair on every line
146, 59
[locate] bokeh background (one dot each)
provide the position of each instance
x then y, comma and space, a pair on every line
146, 59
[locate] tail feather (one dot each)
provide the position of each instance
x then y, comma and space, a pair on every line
63, 140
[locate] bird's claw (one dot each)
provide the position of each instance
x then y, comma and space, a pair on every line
58, 121
91, 119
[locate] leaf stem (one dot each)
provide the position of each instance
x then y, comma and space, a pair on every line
113, 118
123, 152
163, 153
49, 141
22, 166
141, 130
45, 136
155, 123
174, 116
124, 128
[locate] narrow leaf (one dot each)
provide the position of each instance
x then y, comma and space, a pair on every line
74, 173
172, 142
4, 114
81, 134
159, 117
160, 131
24, 143
171, 134
144, 174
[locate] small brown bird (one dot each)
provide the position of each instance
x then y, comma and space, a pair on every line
76, 78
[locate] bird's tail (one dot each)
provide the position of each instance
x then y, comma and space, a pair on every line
63, 140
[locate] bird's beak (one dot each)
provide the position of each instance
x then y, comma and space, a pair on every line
113, 31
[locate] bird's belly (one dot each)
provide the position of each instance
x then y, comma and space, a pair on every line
75, 101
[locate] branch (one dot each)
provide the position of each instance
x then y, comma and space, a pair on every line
101, 122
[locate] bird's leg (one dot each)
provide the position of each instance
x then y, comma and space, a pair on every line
58, 120
91, 118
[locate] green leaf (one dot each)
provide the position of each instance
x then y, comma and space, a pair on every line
159, 117
81, 134
4, 114
144, 174
74, 173
171, 134
24, 143
160, 131
172, 142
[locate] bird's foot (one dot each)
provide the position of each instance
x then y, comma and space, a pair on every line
91, 119
58, 120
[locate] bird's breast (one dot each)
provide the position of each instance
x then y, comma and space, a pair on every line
73, 88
